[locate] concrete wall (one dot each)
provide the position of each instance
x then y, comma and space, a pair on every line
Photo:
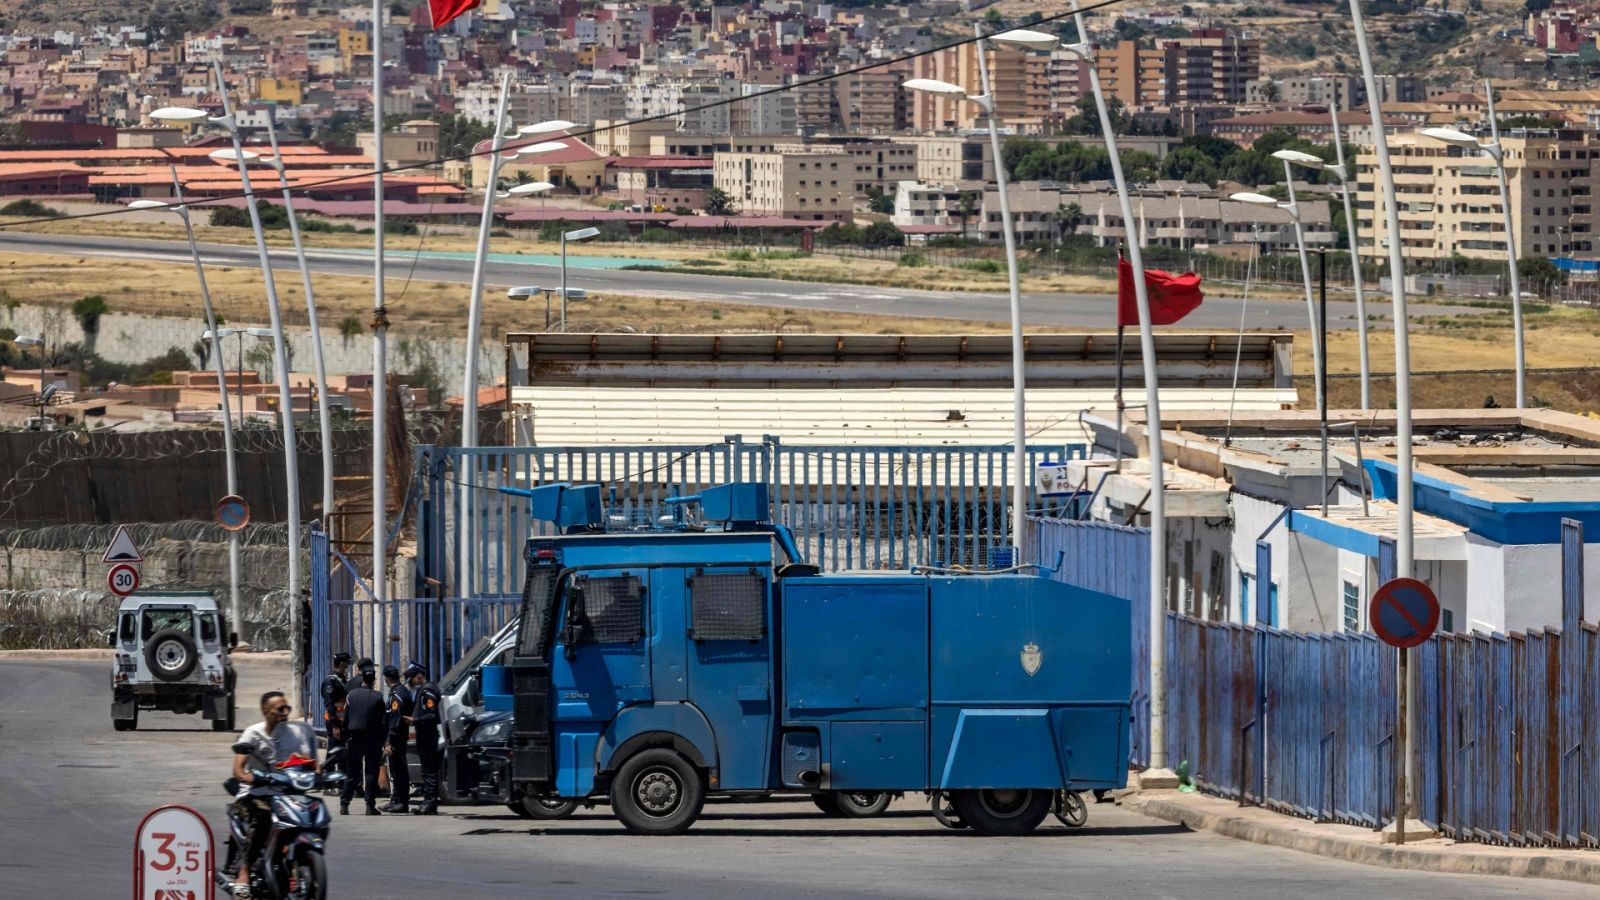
130, 338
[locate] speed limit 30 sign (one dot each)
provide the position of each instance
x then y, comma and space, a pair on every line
172, 856
123, 579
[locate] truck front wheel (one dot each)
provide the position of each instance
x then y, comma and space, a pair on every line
657, 792
1002, 811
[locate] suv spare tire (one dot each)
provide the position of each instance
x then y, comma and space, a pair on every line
171, 654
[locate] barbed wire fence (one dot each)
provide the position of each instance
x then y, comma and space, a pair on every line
44, 609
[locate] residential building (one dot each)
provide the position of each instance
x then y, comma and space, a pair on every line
415, 141
791, 180
662, 183
1019, 78
1209, 66
1450, 198
951, 158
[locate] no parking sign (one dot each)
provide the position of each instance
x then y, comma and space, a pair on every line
172, 856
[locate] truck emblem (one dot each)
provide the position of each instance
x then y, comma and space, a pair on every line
1031, 658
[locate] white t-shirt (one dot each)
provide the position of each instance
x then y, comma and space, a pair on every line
286, 740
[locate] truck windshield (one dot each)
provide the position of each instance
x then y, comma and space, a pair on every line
469, 663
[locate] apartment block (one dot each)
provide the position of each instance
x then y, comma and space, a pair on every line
951, 158
1210, 66
1450, 198
791, 180
1020, 80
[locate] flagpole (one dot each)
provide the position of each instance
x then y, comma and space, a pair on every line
380, 335
1121, 331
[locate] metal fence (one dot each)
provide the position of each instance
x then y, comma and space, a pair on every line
1507, 746
1115, 560
850, 507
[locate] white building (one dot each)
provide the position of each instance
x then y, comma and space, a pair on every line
1491, 488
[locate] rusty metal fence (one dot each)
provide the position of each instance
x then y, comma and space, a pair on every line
1507, 748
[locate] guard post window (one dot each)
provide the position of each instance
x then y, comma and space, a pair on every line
1352, 607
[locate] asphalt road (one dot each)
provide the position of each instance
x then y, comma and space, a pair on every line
72, 792
1040, 310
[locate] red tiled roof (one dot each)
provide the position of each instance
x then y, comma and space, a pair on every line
575, 151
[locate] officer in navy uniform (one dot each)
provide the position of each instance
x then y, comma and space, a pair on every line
364, 667
364, 716
399, 727
333, 692
425, 716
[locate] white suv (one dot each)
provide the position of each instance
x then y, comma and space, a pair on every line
172, 654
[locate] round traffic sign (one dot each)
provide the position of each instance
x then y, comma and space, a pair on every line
233, 513
123, 579
1404, 612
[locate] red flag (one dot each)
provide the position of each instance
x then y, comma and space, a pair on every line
445, 10
1171, 296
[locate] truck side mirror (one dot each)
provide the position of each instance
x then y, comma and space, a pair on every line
576, 615
111, 638
233, 640
474, 691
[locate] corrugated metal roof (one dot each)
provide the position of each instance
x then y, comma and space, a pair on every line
623, 416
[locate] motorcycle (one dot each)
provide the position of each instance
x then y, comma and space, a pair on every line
291, 865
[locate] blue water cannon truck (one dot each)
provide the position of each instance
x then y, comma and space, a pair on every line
663, 664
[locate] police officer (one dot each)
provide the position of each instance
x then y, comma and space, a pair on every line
333, 691
364, 727
425, 716
363, 667
398, 724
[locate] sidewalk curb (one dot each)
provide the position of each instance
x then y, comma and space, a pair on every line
242, 660
1558, 868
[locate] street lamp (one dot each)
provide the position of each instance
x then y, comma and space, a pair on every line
1340, 171
324, 416
469, 391
291, 456
547, 127
1289, 158
1497, 153
1404, 555
582, 234
182, 211
1159, 773
1019, 436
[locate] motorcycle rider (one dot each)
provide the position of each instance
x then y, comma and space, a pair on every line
273, 740
425, 716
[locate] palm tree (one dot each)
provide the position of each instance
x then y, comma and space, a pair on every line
1068, 217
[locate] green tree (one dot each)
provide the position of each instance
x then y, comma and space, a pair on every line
88, 310
1537, 274
1068, 217
349, 329
1190, 164
720, 203
880, 201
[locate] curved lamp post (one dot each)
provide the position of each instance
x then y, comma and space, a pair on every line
1497, 153
1019, 432
182, 211
324, 417
291, 462
1159, 772
1288, 158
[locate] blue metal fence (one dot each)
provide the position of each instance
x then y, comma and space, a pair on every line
1115, 560
850, 507
1507, 742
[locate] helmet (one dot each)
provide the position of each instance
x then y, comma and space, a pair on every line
341, 658
416, 669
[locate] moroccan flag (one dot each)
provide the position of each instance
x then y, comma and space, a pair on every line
445, 10
1171, 296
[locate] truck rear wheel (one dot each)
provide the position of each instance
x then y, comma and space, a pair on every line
657, 792
126, 724
544, 807
1002, 811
